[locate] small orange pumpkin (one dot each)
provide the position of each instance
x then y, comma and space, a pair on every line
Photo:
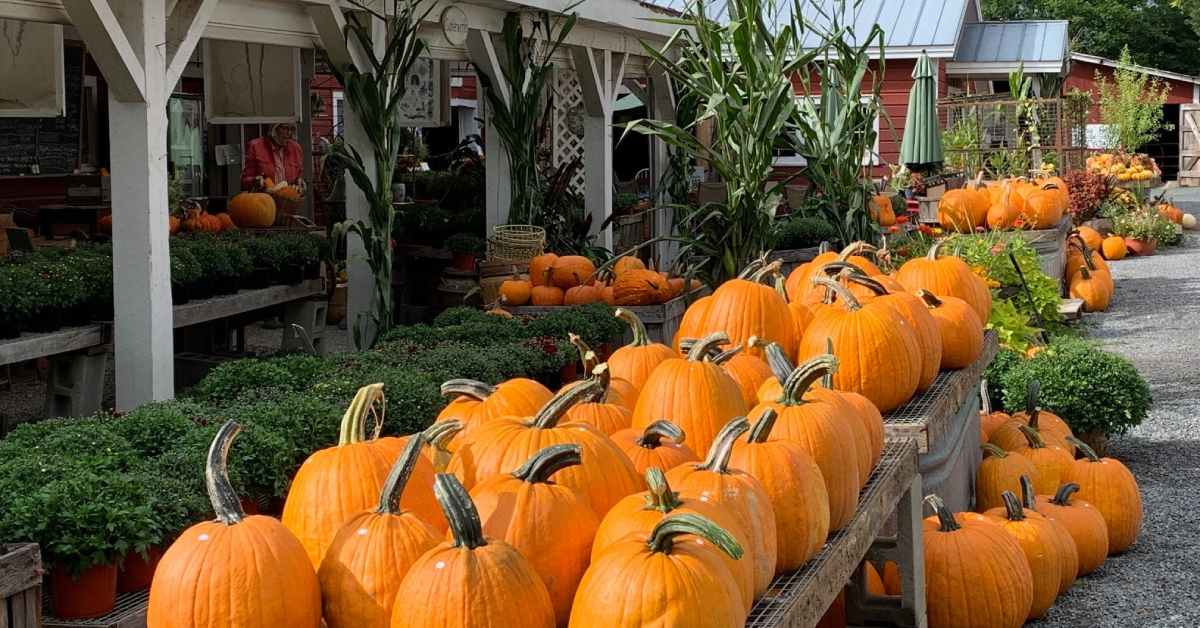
516, 291
659, 445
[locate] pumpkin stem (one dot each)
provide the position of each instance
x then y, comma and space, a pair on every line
727, 355
662, 537
827, 380
702, 346
687, 344
846, 268
397, 479
722, 446
586, 355
601, 374
224, 499
1028, 494
933, 250
474, 389
751, 268
465, 528
985, 400
1032, 436
543, 464
779, 362
864, 280
1012, 507
946, 520
640, 337
369, 401
1032, 392
1063, 496
766, 270
558, 405
1083, 448
763, 426
781, 286
824, 247
856, 248
994, 450
931, 300
658, 430
659, 495
805, 376
842, 293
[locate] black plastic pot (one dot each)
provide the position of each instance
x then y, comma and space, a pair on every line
312, 270
260, 278
78, 315
179, 294
225, 285
293, 274
45, 321
9, 328
200, 289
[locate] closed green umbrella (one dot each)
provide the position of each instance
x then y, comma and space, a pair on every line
922, 143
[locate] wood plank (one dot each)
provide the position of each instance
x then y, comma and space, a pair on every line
32, 346
1071, 309
20, 568
244, 301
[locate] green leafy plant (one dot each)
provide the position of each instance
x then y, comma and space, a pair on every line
1144, 225
1093, 390
993, 252
961, 141
374, 93
798, 232
466, 243
1131, 106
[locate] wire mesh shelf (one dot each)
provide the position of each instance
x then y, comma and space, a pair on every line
129, 612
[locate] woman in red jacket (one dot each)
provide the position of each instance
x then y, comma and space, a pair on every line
276, 156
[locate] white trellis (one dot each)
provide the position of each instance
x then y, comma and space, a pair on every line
567, 128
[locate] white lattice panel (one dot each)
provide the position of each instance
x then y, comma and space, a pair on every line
568, 122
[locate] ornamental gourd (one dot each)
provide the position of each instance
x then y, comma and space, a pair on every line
549, 524
739, 492
961, 330
869, 339
503, 444
635, 361
1040, 543
569, 271
1000, 471
692, 392
639, 513
947, 276
677, 583
1082, 521
339, 482
470, 581
794, 483
474, 403
252, 209
660, 445
1109, 486
234, 571
983, 578
373, 550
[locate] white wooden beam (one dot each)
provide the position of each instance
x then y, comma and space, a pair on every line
110, 47
481, 50
661, 106
600, 75
185, 25
330, 23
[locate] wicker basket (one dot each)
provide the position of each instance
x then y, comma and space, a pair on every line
516, 243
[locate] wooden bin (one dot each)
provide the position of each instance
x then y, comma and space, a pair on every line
1051, 246
20, 586
661, 321
791, 258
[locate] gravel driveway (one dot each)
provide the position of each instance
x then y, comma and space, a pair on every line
1153, 321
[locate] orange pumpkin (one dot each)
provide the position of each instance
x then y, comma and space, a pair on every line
539, 268
916, 314
1090, 236
947, 276
692, 323
581, 295
516, 291
616, 390
1069, 554
546, 295
569, 271
742, 308
957, 211
252, 209
1109, 486
660, 445
1041, 546
881, 210
627, 262
226, 222
1091, 287
635, 361
747, 371
1082, 521
605, 416
474, 403
1044, 208
1007, 205
1000, 471
1113, 248
961, 330
173, 223
641, 287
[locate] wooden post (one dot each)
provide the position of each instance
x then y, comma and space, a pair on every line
304, 129
661, 106
600, 74
497, 192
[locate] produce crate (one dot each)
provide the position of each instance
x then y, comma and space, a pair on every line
661, 321
801, 597
791, 258
129, 612
20, 586
944, 422
1051, 246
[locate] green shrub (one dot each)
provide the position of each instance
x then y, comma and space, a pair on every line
416, 335
995, 373
801, 232
150, 429
1093, 390
459, 316
594, 323
413, 397
90, 443
233, 378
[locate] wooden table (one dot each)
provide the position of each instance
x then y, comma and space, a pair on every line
50, 215
32, 346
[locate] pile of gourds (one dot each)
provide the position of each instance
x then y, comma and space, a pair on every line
1088, 276
1007, 204
1124, 167
575, 280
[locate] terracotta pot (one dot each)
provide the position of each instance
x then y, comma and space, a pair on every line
1141, 247
93, 594
464, 261
136, 572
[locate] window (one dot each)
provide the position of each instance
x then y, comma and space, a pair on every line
339, 113
785, 156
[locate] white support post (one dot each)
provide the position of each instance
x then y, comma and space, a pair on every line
661, 106
186, 20
600, 74
497, 192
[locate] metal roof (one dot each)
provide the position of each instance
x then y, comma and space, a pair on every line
908, 25
1028, 42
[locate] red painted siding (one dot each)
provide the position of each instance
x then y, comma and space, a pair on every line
1083, 77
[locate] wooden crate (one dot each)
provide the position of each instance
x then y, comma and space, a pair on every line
661, 321
20, 586
791, 258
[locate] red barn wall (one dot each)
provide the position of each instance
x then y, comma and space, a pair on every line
1083, 77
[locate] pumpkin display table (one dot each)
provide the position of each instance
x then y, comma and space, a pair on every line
801, 597
661, 321
944, 423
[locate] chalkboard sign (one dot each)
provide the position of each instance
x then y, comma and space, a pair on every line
51, 143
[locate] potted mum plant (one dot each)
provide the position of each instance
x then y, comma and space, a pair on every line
1142, 230
465, 248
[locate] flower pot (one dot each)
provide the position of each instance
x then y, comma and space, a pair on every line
226, 285
9, 328
45, 321
1141, 247
179, 294
294, 274
137, 572
463, 261
92, 594
200, 289
312, 270
76, 316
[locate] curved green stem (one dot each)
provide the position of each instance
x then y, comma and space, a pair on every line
846, 268
933, 250
440, 433
869, 283
658, 430
1012, 507
224, 499
659, 495
727, 355
1032, 436
781, 365
717, 459
842, 293
467, 388
994, 450
543, 464
856, 248
662, 537
604, 378
766, 270
751, 268
1033, 393
763, 426
640, 337
946, 520
687, 344
1084, 449
1028, 494
805, 375
397, 479
586, 355
553, 411
465, 528
700, 350
368, 401
1063, 496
